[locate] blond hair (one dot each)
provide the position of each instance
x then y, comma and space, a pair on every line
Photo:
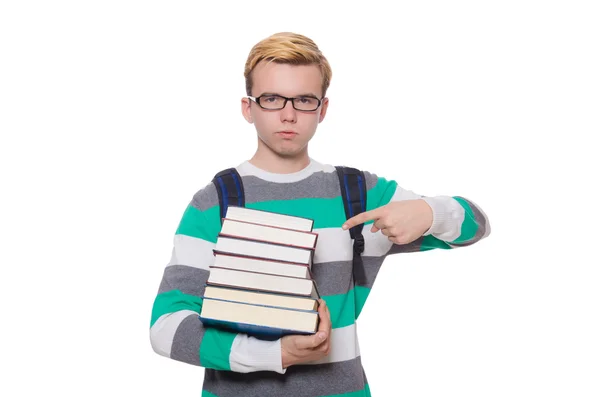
287, 48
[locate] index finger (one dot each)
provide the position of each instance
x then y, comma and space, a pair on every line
362, 218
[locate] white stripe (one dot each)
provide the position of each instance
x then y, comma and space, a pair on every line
192, 251
344, 346
403, 194
334, 244
163, 331
448, 217
376, 244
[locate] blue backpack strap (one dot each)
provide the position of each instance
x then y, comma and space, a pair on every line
354, 196
229, 189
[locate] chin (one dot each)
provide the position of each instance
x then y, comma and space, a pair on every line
288, 151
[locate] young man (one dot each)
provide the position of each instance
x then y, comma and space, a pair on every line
286, 82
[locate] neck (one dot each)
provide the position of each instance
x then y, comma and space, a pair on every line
269, 161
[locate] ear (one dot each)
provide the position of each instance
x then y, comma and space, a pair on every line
324, 105
246, 110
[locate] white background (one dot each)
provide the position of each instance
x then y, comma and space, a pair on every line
114, 113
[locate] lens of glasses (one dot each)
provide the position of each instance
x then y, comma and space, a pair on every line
275, 102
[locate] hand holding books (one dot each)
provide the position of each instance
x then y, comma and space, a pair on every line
296, 349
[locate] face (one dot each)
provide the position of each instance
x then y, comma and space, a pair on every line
285, 132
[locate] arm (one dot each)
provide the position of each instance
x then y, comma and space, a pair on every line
176, 332
418, 222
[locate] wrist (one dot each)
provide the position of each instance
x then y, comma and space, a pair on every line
286, 358
433, 212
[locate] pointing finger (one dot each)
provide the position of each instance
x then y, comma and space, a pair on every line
362, 218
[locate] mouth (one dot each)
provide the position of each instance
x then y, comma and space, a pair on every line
286, 134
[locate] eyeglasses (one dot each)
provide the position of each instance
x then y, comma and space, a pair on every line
278, 102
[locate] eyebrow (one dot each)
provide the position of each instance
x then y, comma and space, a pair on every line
296, 96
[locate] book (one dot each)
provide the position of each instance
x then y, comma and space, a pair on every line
269, 218
271, 234
263, 250
269, 266
263, 282
261, 298
261, 321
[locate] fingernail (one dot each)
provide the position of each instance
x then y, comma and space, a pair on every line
344, 226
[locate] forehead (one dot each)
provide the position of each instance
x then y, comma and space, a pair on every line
284, 79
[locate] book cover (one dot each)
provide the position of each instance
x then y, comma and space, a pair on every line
298, 286
261, 321
269, 218
263, 250
263, 265
269, 234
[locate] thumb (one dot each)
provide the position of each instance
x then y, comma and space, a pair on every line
311, 341
319, 338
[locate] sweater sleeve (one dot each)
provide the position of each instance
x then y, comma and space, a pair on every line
176, 331
457, 221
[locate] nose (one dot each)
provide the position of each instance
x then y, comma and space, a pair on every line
288, 113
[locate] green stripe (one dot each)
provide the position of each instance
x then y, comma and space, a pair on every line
360, 298
430, 242
341, 309
366, 392
469, 226
381, 193
172, 301
196, 223
208, 394
216, 348
326, 212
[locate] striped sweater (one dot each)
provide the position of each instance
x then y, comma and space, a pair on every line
238, 365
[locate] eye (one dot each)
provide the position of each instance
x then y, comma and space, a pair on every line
307, 100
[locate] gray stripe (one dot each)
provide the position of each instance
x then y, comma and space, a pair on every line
189, 280
333, 278
298, 381
483, 226
187, 339
317, 185
371, 266
205, 198
414, 246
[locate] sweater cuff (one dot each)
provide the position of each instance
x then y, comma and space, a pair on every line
441, 215
270, 357
249, 354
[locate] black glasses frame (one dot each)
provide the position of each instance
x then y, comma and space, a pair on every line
286, 99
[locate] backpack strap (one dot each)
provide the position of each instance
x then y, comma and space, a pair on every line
354, 196
230, 190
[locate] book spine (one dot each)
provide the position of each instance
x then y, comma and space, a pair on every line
217, 252
238, 237
260, 305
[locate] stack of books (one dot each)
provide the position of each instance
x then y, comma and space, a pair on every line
261, 282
